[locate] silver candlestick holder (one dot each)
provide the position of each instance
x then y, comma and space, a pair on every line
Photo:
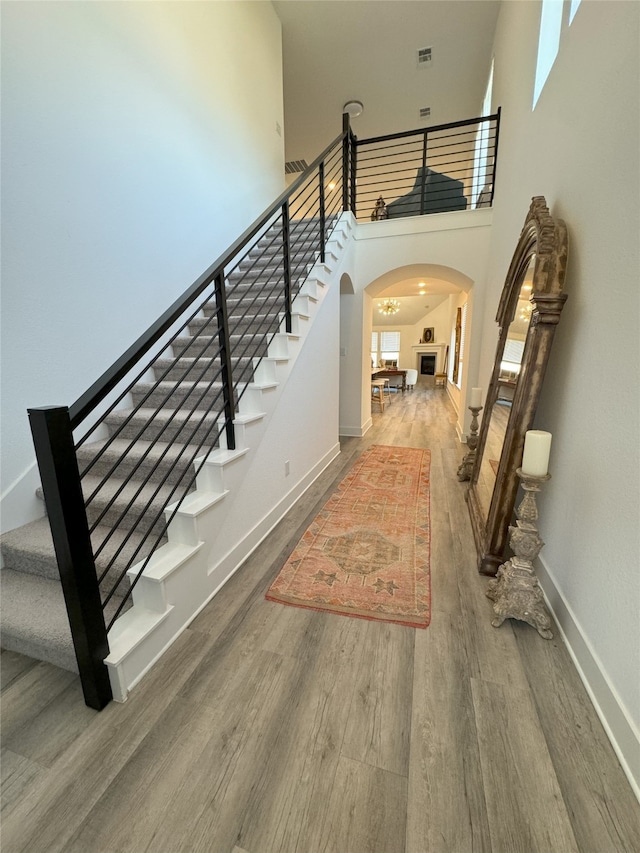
515, 591
466, 466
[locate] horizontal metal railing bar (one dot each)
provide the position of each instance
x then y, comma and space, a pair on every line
465, 135
413, 161
409, 137
431, 188
154, 495
252, 263
244, 283
429, 130
388, 153
417, 154
131, 413
432, 156
268, 228
160, 535
94, 395
334, 172
131, 384
141, 459
312, 189
304, 206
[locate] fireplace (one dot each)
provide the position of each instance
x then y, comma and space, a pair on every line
428, 364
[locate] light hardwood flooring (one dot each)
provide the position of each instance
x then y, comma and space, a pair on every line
269, 728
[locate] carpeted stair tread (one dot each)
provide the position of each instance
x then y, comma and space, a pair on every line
205, 345
202, 368
170, 460
35, 621
29, 549
239, 326
167, 424
115, 496
46, 637
176, 394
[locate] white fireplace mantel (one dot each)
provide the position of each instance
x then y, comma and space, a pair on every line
430, 349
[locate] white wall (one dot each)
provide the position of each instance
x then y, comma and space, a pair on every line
579, 149
138, 141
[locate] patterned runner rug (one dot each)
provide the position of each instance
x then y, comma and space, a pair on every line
366, 553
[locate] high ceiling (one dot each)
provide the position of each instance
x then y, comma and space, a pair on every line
340, 50
335, 51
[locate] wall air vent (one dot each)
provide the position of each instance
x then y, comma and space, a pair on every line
424, 56
295, 166
425, 112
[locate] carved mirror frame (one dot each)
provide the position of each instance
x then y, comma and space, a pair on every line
545, 238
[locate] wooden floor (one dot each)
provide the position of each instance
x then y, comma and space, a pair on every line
269, 728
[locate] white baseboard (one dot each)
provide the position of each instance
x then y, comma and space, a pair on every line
356, 432
619, 727
233, 559
462, 436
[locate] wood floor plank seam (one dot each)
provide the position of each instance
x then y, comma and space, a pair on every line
271, 729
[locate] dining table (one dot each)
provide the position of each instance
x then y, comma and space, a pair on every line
388, 372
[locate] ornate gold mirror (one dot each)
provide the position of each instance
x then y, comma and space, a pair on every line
530, 307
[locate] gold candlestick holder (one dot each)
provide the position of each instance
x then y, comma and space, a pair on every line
466, 466
515, 591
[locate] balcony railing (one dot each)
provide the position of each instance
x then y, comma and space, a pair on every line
436, 169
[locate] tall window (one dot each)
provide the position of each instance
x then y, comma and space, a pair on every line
390, 346
548, 43
481, 153
389, 349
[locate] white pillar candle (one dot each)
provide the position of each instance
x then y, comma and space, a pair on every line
537, 447
476, 398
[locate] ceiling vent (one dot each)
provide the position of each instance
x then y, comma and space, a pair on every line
295, 166
425, 112
424, 55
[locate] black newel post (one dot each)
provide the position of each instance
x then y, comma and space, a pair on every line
322, 209
495, 155
346, 157
423, 188
286, 251
225, 360
353, 169
58, 464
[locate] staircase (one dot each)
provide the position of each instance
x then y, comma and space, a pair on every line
162, 456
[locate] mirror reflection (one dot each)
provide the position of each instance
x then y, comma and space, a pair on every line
507, 381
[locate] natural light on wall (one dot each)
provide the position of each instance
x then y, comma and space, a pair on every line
573, 8
480, 156
548, 43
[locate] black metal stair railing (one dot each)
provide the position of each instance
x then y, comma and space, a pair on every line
430, 170
112, 492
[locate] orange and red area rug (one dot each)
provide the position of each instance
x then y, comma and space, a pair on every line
366, 553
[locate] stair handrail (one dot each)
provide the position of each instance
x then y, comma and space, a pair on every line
96, 393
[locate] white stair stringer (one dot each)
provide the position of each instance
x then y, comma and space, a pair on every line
183, 575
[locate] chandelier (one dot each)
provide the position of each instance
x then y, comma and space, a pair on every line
389, 306
525, 312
